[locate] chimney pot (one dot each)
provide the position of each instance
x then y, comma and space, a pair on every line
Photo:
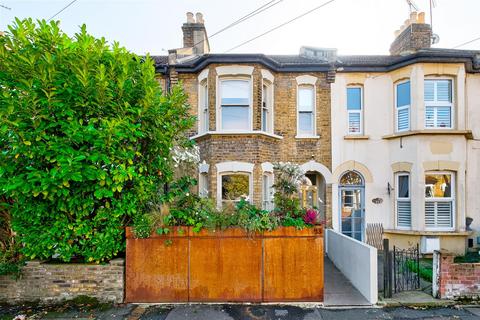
421, 17
190, 18
199, 16
413, 17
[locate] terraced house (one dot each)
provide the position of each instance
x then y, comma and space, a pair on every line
390, 140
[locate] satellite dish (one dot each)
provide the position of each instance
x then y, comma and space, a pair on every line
435, 38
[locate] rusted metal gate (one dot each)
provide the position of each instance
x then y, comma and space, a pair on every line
226, 266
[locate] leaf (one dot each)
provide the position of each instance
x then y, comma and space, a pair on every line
27, 143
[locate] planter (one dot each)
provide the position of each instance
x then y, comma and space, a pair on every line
226, 266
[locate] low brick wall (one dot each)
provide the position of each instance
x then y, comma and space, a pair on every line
455, 280
49, 283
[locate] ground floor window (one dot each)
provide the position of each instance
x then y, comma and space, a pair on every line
439, 200
403, 205
267, 191
234, 188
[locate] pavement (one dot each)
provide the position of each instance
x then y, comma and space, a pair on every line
338, 290
247, 312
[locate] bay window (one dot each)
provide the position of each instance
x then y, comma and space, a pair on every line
402, 104
267, 191
403, 203
235, 187
439, 200
267, 108
354, 109
235, 105
306, 110
438, 103
203, 114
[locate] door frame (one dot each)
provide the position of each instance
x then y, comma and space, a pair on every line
360, 187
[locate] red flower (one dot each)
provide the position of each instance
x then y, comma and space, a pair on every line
310, 216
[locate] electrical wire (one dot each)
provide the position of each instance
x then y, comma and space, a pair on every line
465, 43
280, 25
63, 9
260, 9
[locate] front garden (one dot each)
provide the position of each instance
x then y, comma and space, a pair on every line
90, 144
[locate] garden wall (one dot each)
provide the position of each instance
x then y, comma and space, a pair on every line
455, 280
46, 282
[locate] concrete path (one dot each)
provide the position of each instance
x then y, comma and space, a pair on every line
338, 290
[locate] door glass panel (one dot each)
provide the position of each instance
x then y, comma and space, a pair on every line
352, 212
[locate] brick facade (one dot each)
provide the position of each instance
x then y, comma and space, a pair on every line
457, 280
257, 148
49, 283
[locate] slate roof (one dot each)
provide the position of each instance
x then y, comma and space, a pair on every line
346, 63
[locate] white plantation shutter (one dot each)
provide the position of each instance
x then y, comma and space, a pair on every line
404, 213
438, 103
438, 214
403, 119
354, 122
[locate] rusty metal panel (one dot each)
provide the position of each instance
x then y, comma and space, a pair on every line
293, 269
157, 271
226, 269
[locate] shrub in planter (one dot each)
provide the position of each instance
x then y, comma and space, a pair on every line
86, 139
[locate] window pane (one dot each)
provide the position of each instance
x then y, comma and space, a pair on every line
429, 117
403, 94
235, 187
438, 185
305, 122
305, 99
351, 178
264, 119
235, 118
403, 186
404, 213
236, 92
403, 119
354, 122
354, 98
429, 90
444, 117
444, 90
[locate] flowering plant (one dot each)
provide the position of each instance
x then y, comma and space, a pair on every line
311, 216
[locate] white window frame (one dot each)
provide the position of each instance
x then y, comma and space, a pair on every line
313, 134
403, 199
219, 105
203, 112
435, 104
360, 112
408, 107
451, 199
267, 106
231, 168
267, 195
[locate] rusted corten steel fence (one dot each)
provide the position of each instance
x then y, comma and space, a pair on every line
226, 266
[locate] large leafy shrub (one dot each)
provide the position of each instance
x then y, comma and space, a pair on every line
85, 136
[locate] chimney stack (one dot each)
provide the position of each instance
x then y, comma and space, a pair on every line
413, 35
195, 34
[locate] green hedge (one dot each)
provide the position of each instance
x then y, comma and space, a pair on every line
85, 138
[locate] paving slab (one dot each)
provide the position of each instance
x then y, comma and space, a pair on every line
415, 298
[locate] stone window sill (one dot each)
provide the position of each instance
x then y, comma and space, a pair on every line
356, 137
236, 133
466, 133
307, 137
427, 232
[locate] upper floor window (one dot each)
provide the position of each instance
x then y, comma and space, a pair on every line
203, 108
402, 103
354, 108
267, 108
306, 110
235, 105
403, 203
439, 200
438, 103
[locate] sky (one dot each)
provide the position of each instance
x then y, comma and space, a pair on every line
351, 26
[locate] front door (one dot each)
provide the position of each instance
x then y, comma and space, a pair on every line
352, 205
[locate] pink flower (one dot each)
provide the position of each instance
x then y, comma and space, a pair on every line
310, 216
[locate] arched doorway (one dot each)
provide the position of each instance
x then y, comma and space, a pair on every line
352, 205
313, 192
